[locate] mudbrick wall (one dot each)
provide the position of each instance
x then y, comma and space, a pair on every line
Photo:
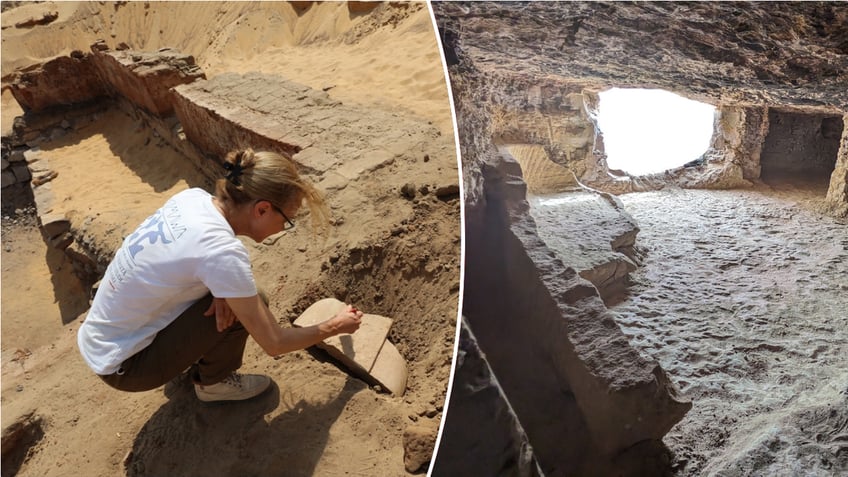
145, 79
140, 83
519, 74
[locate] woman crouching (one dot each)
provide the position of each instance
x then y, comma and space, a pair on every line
152, 316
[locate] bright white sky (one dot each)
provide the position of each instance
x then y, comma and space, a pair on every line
652, 130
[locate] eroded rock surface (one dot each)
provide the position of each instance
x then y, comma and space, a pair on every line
496, 439
580, 392
527, 75
539, 62
742, 302
591, 231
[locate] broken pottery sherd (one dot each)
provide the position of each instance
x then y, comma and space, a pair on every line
367, 352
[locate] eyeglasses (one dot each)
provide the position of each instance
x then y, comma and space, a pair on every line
288, 220
289, 224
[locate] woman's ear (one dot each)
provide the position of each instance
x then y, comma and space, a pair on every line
261, 208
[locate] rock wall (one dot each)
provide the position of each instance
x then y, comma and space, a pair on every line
551, 127
27, 132
583, 396
837, 193
497, 442
231, 112
542, 175
565, 352
65, 93
739, 132
746, 59
15, 170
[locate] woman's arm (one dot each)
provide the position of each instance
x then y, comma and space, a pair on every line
254, 314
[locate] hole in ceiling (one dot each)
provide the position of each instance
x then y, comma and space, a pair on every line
651, 130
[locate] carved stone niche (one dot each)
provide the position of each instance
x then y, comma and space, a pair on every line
800, 145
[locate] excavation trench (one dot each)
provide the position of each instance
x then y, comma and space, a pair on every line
99, 168
353, 88
112, 170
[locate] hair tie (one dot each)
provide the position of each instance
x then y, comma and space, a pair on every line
235, 171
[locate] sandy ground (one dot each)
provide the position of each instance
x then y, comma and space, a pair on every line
317, 420
743, 299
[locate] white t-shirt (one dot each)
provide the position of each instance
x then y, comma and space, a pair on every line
183, 251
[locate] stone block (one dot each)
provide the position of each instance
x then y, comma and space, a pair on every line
21, 172
8, 179
591, 232
418, 442
367, 352
447, 190
17, 155
53, 224
44, 198
62, 241
29, 155
5, 164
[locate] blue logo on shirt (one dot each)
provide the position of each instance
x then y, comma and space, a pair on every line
152, 230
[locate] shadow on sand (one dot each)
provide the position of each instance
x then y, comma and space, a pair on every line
189, 438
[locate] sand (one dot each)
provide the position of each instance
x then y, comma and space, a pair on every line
317, 420
743, 299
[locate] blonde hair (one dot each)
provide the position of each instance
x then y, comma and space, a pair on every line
273, 177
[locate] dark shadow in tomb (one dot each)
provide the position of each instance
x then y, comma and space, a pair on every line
800, 148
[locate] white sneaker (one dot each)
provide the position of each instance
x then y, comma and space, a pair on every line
235, 387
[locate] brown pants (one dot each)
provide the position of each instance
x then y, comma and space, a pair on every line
192, 339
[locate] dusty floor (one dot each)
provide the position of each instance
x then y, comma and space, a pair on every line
388, 254
743, 299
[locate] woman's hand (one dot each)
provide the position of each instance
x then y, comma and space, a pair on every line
346, 321
224, 316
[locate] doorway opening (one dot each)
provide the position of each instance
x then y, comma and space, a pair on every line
800, 147
647, 131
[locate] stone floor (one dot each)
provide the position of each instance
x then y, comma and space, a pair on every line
742, 298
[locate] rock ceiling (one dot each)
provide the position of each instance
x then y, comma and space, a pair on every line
786, 54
